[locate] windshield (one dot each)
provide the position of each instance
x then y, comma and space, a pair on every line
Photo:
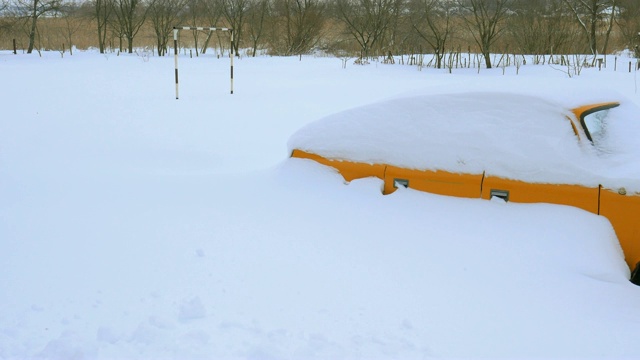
594, 122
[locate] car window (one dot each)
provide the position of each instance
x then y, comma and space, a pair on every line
594, 122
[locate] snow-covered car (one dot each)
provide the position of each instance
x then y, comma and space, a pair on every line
518, 147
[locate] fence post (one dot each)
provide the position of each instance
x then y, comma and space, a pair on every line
15, 50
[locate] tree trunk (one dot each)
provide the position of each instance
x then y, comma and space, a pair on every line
130, 44
162, 43
100, 41
486, 53
592, 35
206, 43
32, 31
609, 28
487, 59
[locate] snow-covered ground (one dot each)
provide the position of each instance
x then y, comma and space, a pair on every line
134, 225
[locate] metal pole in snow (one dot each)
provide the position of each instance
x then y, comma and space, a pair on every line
231, 55
175, 48
175, 54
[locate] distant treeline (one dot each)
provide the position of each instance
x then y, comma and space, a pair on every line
348, 28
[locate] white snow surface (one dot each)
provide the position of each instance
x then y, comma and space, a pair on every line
135, 226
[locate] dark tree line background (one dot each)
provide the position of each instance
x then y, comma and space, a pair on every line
348, 28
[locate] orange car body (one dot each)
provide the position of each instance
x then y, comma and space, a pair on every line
616, 205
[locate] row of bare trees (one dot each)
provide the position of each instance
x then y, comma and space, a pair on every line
362, 27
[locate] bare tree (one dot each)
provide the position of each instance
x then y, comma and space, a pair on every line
235, 12
301, 22
194, 14
164, 15
610, 20
4, 6
72, 18
394, 35
540, 27
485, 20
102, 10
7, 22
528, 27
629, 23
366, 20
590, 14
212, 14
202, 13
117, 29
431, 19
32, 10
259, 10
129, 16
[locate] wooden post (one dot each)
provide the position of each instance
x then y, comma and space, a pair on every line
15, 50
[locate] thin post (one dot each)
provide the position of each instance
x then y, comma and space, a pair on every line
175, 55
231, 55
14, 47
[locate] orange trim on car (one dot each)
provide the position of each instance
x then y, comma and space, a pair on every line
621, 209
350, 170
586, 109
433, 181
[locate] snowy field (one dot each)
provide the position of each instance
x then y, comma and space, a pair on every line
137, 226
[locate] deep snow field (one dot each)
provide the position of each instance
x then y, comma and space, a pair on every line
137, 226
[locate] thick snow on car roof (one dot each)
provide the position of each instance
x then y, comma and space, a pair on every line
517, 136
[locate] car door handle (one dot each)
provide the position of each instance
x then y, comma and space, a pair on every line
502, 194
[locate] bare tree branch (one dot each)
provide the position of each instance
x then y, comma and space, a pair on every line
486, 22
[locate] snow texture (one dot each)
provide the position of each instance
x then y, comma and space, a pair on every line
133, 225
